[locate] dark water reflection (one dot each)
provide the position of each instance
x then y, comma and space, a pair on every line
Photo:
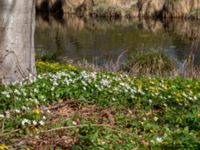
100, 41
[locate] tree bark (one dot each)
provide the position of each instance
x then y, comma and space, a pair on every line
17, 25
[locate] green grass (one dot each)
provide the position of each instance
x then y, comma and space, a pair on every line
131, 112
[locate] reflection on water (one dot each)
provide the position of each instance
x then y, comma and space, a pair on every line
101, 41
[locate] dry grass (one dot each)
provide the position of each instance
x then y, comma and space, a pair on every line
151, 64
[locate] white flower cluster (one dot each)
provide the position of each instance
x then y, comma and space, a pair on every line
85, 85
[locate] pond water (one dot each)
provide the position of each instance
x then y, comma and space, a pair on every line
101, 42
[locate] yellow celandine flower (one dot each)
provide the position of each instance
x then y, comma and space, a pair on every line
46, 64
37, 111
198, 115
3, 147
152, 131
166, 143
178, 94
71, 67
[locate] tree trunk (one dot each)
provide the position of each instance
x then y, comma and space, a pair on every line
17, 24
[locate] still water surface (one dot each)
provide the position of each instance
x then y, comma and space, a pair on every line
100, 41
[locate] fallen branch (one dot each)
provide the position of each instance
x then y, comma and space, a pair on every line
86, 125
10, 132
77, 126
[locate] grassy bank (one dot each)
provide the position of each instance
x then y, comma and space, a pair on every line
76, 108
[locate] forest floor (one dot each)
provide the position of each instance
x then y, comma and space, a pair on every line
67, 107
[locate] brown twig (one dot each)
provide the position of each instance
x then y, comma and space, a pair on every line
77, 126
87, 125
10, 132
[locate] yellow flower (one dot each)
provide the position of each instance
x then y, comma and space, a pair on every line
3, 147
152, 131
37, 111
166, 143
198, 115
71, 67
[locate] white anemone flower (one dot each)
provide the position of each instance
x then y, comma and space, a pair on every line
25, 121
159, 139
2, 116
105, 82
41, 123
34, 123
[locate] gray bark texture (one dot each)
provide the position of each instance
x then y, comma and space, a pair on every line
17, 25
